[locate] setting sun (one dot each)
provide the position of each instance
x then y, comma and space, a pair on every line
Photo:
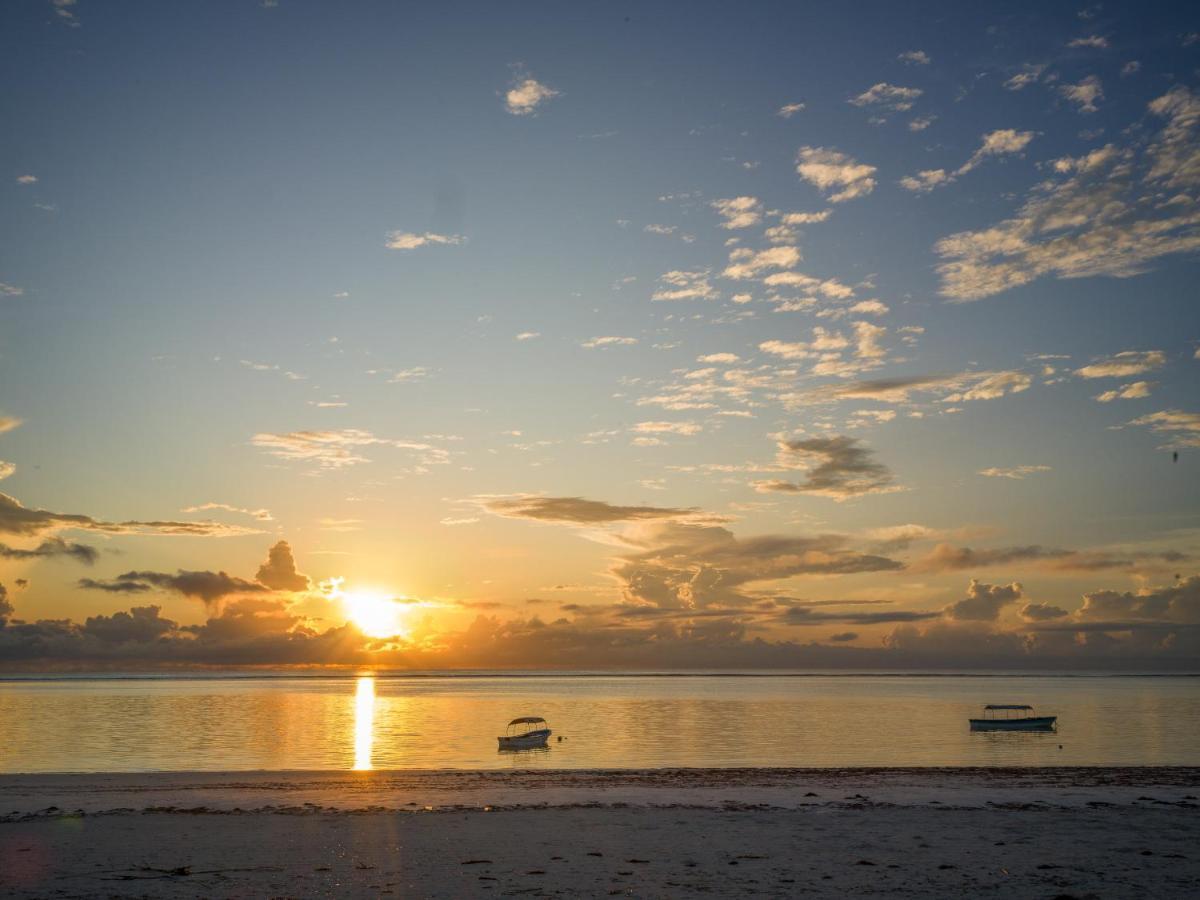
375, 614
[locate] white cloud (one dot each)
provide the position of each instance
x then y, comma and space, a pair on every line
1104, 216
925, 181
887, 98
746, 263
528, 336
920, 123
1002, 142
721, 358
739, 212
1093, 40
684, 428
10, 290
680, 285
1015, 472
338, 449
869, 308
27, 179
915, 58
789, 109
1134, 391
6, 469
524, 97
1029, 74
608, 341
407, 240
1130, 68
837, 175
1124, 364
804, 218
1183, 427
1084, 94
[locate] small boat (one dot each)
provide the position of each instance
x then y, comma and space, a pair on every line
525, 733
1012, 717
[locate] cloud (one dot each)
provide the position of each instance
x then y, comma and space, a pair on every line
22, 520
1002, 142
739, 212
9, 423
1041, 612
27, 179
920, 123
10, 290
206, 586
1177, 603
954, 388
1103, 215
789, 109
684, 428
1124, 364
115, 586
408, 240
1093, 41
52, 547
947, 557
527, 336
1014, 472
692, 565
985, 602
1182, 428
838, 467
886, 99
1029, 74
338, 449
680, 285
573, 510
279, 571
746, 263
1085, 94
915, 58
719, 358
6, 469
263, 515
526, 95
608, 341
835, 174
1133, 391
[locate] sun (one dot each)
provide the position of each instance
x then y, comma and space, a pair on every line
375, 614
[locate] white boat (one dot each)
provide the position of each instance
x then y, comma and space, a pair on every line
525, 733
1012, 717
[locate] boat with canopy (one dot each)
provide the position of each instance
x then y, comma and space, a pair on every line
1012, 717
525, 733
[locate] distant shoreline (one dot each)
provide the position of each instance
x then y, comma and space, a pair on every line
396, 675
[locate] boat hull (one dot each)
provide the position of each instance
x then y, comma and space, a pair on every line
1032, 723
530, 741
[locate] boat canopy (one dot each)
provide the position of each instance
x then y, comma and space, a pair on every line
527, 720
1011, 706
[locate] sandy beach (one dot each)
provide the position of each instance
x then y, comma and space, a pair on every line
1115, 832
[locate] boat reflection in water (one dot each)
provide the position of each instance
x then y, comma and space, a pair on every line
364, 722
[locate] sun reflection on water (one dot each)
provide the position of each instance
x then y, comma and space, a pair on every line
364, 722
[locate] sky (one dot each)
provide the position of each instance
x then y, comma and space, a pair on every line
611, 335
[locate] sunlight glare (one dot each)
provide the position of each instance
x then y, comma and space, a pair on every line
364, 722
376, 615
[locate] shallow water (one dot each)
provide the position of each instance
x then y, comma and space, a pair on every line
633, 721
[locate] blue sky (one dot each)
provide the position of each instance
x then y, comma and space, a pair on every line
381, 283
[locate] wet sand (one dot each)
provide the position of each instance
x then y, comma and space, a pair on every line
1128, 832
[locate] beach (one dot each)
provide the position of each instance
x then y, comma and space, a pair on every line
1044, 832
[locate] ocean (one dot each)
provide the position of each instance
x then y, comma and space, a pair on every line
239, 722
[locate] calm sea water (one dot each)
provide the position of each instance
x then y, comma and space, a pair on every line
248, 723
